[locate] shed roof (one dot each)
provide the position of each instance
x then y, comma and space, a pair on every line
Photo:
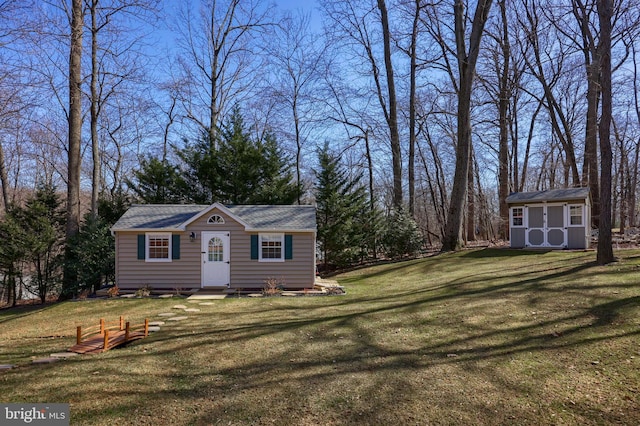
165, 217
550, 195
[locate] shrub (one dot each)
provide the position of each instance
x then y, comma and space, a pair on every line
144, 291
272, 287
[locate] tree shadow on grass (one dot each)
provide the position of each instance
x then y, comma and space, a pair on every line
363, 371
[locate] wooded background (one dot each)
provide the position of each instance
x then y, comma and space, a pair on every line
443, 107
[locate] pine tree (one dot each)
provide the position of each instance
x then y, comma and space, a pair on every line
158, 182
342, 212
42, 220
238, 169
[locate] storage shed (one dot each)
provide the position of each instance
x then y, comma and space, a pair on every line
557, 218
193, 247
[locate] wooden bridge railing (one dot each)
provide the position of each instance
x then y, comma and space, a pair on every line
131, 332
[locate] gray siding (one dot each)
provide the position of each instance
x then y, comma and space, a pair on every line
185, 272
577, 238
517, 237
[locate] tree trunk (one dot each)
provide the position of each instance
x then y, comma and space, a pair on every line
605, 246
471, 201
75, 139
372, 199
466, 69
4, 179
503, 108
412, 110
393, 113
95, 146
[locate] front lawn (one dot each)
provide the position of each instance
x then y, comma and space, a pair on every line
477, 337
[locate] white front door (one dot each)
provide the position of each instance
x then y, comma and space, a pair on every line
215, 259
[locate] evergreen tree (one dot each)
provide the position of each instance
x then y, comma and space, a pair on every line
42, 220
158, 182
342, 212
112, 206
239, 170
402, 236
12, 253
94, 248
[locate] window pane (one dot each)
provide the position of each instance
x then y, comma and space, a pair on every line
575, 213
158, 247
216, 250
517, 216
271, 246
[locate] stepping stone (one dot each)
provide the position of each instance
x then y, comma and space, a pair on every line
128, 296
192, 310
165, 296
156, 323
206, 304
197, 297
64, 355
166, 314
6, 366
153, 328
47, 360
180, 307
177, 318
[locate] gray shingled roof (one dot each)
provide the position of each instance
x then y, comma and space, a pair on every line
276, 217
258, 217
550, 195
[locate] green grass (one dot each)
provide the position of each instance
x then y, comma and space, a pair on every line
476, 337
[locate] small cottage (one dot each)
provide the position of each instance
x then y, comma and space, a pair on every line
558, 218
193, 247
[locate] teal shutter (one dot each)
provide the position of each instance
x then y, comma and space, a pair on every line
175, 246
254, 247
141, 248
288, 247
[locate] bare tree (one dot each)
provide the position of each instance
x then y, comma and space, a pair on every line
219, 57
391, 114
605, 247
113, 61
75, 140
298, 63
363, 28
466, 69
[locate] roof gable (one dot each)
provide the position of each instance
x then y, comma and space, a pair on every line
176, 217
550, 195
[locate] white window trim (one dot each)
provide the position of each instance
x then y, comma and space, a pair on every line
523, 217
219, 220
582, 219
271, 234
166, 235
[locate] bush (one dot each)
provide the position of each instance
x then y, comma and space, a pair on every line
272, 287
402, 237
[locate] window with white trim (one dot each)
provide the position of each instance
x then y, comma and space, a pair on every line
215, 219
158, 247
271, 247
517, 216
576, 215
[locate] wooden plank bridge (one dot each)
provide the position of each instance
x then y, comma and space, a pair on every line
101, 338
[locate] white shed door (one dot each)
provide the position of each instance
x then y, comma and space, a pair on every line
215, 259
546, 226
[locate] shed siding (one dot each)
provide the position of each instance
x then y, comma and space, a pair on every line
185, 273
577, 238
517, 237
131, 273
